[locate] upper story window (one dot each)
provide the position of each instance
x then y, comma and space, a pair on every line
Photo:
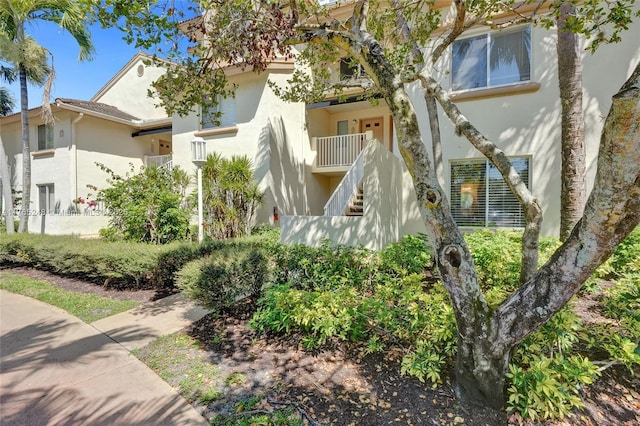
350, 69
45, 136
224, 112
493, 59
480, 196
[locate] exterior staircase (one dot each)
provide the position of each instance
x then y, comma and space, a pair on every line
356, 205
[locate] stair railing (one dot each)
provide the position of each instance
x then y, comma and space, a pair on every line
347, 188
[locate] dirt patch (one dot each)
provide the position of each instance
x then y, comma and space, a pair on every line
336, 386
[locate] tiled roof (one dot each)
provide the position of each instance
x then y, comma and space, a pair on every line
98, 107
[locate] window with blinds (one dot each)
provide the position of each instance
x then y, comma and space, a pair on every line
481, 198
222, 114
493, 59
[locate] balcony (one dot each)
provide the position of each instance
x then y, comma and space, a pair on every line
160, 161
335, 154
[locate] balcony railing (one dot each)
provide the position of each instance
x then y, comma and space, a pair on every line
336, 151
160, 161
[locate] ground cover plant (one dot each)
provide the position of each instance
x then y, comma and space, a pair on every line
87, 307
351, 294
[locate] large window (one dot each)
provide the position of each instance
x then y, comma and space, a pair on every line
480, 197
492, 59
47, 199
224, 112
45, 136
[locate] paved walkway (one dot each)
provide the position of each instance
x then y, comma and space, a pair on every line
58, 370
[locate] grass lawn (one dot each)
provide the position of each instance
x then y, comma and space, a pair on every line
176, 358
86, 307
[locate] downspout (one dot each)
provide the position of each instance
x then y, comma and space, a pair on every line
74, 156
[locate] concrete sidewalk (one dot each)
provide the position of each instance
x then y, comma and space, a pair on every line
57, 370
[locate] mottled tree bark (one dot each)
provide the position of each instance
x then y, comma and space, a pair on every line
574, 187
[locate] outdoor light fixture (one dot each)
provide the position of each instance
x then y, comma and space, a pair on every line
199, 157
198, 151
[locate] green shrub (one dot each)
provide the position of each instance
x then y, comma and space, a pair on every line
497, 255
323, 267
219, 280
149, 206
231, 196
384, 300
545, 376
626, 258
116, 264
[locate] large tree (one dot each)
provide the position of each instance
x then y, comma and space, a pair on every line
387, 38
25, 54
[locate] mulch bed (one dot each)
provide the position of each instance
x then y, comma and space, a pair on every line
341, 386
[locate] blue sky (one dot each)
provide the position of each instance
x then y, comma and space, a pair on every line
75, 79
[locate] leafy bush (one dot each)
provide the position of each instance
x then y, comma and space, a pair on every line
230, 196
545, 376
385, 300
149, 206
497, 256
117, 264
357, 295
324, 267
219, 280
626, 258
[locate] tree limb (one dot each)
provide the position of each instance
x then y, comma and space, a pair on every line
611, 213
532, 209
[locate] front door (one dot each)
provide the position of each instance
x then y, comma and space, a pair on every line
165, 147
375, 125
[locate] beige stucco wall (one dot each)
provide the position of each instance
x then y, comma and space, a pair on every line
528, 124
128, 90
70, 166
270, 132
390, 209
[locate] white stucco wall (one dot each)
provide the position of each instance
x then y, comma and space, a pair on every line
528, 124
271, 133
128, 90
71, 167
390, 209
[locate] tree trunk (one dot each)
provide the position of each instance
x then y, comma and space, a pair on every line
574, 187
436, 140
6, 189
26, 151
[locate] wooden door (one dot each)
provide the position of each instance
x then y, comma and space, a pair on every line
375, 125
165, 147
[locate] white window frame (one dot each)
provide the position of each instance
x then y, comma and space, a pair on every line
227, 109
490, 198
47, 204
48, 141
489, 37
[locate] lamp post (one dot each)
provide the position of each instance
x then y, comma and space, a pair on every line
199, 157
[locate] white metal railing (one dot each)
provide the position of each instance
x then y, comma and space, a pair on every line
347, 188
160, 161
339, 150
